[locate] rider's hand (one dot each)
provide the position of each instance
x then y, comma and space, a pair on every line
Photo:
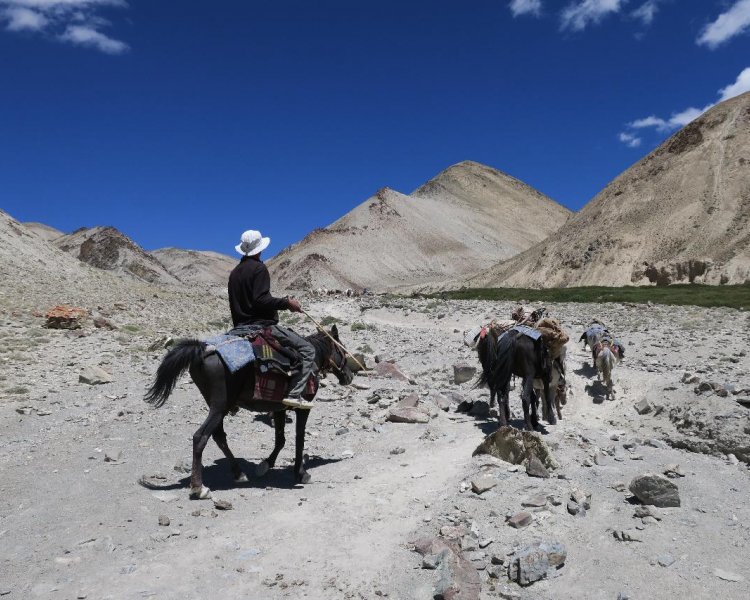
294, 305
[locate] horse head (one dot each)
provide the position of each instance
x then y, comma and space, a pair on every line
337, 360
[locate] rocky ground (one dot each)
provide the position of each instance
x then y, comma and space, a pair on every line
75, 523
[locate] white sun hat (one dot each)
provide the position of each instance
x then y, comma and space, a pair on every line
252, 243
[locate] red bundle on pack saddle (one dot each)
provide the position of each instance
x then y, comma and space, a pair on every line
274, 365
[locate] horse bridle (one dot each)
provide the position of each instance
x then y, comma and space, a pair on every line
339, 368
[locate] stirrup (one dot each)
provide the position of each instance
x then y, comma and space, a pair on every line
297, 403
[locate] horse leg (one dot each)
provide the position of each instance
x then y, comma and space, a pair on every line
300, 475
533, 401
493, 403
200, 439
503, 408
279, 422
220, 437
526, 401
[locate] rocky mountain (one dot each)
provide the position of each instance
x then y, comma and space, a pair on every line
44, 231
681, 214
196, 266
109, 249
465, 219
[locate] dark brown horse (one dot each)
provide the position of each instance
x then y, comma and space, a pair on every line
517, 354
223, 391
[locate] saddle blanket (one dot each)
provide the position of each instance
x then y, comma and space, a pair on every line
235, 352
528, 331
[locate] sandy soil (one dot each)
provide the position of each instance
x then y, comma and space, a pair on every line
74, 524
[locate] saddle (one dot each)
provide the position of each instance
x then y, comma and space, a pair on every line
274, 366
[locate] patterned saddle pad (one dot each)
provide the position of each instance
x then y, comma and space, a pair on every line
274, 365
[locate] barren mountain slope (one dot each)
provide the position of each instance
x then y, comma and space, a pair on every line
680, 214
465, 219
109, 249
196, 266
24, 253
44, 231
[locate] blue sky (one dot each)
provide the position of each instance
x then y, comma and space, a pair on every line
184, 123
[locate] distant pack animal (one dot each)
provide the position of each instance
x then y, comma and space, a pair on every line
606, 352
225, 391
517, 353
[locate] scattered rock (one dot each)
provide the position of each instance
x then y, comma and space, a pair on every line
162, 343
520, 520
483, 483
535, 468
93, 375
536, 561
164, 520
408, 415
673, 471
222, 504
535, 502
441, 401
397, 450
628, 535
112, 455
728, 576
666, 560
391, 371
643, 407
576, 509
651, 488
104, 323
463, 373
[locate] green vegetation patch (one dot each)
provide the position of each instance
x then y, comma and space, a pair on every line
732, 296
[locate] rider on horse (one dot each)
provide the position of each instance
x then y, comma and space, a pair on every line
251, 303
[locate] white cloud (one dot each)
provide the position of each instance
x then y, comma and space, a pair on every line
23, 19
740, 86
646, 12
582, 13
72, 21
629, 139
727, 25
86, 36
526, 7
683, 117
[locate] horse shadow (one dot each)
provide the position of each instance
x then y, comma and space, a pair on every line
586, 370
218, 476
597, 390
489, 425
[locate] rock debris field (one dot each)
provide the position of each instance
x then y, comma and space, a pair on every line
642, 497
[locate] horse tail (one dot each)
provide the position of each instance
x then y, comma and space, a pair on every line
486, 349
502, 362
180, 358
604, 361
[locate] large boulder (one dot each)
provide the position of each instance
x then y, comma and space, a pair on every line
516, 447
655, 489
63, 316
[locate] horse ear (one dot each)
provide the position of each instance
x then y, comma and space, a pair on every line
335, 332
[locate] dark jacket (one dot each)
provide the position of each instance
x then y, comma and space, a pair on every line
250, 298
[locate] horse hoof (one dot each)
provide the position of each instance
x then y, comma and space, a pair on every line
262, 468
200, 493
494, 414
241, 478
305, 478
